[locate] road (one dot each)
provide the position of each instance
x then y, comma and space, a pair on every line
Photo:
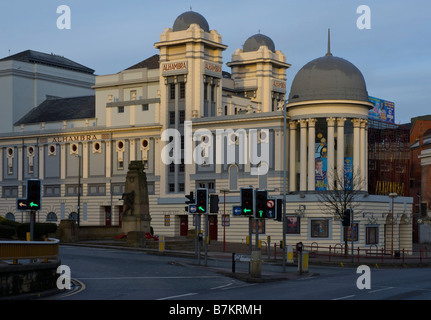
113, 274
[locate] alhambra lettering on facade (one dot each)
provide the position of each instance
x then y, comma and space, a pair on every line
75, 138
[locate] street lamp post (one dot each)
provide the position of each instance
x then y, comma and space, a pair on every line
79, 188
284, 184
392, 196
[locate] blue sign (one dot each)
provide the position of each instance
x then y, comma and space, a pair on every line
383, 110
236, 210
192, 208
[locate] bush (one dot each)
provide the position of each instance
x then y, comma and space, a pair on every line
40, 230
7, 232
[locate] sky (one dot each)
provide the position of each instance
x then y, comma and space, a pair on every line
394, 54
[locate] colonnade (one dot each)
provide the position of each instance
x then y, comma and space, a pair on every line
335, 154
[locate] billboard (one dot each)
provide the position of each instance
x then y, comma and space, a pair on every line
383, 110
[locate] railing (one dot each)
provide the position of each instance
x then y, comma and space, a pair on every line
15, 250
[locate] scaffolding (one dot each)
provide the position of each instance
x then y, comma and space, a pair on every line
388, 158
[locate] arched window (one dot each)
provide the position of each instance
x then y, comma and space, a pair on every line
10, 216
73, 216
51, 217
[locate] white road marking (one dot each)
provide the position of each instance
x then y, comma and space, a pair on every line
346, 297
181, 295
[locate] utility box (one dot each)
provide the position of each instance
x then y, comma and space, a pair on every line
256, 264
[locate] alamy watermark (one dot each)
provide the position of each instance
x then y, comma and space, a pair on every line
364, 280
64, 21
364, 20
64, 279
230, 147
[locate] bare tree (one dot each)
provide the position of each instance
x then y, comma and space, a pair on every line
342, 194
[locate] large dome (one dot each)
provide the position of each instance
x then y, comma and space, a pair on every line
254, 42
184, 21
328, 78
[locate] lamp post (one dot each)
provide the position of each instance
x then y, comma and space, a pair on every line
79, 188
392, 196
284, 184
224, 217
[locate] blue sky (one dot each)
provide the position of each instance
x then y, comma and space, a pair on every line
108, 36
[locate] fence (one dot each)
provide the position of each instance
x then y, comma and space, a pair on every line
15, 250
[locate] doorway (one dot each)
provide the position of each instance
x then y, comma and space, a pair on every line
184, 225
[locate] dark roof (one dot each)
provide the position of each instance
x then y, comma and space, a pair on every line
185, 19
150, 63
61, 109
328, 77
53, 60
254, 42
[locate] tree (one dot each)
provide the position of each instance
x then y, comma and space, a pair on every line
342, 194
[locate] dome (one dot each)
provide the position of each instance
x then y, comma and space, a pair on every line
328, 78
184, 21
254, 42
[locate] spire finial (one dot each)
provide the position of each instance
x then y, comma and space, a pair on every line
329, 54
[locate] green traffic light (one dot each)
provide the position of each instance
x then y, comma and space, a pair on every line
261, 213
32, 204
246, 210
201, 209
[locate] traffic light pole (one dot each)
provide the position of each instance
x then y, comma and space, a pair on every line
32, 216
284, 186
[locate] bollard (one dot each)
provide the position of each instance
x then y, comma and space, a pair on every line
289, 254
256, 264
161, 243
303, 262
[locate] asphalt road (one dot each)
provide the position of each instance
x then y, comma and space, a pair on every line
113, 274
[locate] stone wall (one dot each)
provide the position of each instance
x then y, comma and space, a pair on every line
28, 278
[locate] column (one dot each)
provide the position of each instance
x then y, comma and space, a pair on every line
366, 157
356, 151
363, 155
330, 153
311, 154
292, 156
340, 152
303, 156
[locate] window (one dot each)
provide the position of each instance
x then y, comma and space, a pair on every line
172, 117
120, 109
96, 189
210, 185
72, 190
10, 192
372, 235
181, 187
10, 216
51, 190
182, 166
293, 225
182, 116
171, 187
172, 91
172, 167
182, 90
145, 107
319, 228
117, 189
51, 217
353, 231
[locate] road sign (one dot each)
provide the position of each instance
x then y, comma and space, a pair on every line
192, 208
22, 204
236, 210
270, 203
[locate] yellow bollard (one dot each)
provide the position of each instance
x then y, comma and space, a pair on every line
27, 235
289, 254
162, 243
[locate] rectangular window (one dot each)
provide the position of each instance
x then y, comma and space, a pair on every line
51, 190
117, 189
97, 189
293, 225
171, 187
372, 235
10, 192
181, 187
72, 190
182, 116
182, 90
145, 107
172, 91
172, 117
121, 109
319, 228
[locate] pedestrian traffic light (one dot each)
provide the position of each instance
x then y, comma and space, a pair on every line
190, 200
34, 194
202, 200
246, 201
214, 200
261, 206
347, 217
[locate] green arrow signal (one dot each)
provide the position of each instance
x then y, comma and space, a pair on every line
261, 213
32, 204
201, 209
246, 210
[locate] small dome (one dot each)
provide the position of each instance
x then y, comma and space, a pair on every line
328, 78
184, 21
254, 42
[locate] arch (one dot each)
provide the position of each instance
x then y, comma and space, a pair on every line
73, 216
51, 216
233, 177
10, 216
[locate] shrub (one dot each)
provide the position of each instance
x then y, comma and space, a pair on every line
7, 232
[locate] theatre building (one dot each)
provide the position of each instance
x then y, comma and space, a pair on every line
86, 142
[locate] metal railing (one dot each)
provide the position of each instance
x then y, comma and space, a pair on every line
15, 250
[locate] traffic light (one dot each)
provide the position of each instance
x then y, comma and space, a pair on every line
190, 200
214, 200
202, 200
279, 210
261, 206
34, 194
247, 201
347, 217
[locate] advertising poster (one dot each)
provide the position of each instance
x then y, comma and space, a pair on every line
348, 173
320, 174
383, 110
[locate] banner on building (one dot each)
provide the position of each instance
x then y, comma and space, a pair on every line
383, 110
